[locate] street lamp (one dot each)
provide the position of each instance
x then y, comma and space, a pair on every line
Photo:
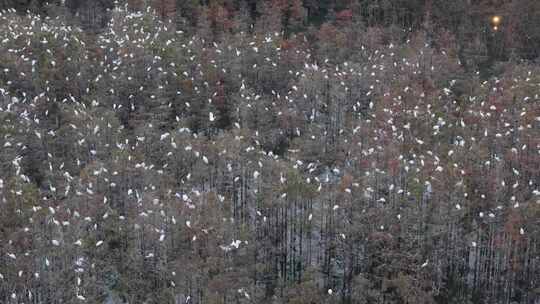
495, 22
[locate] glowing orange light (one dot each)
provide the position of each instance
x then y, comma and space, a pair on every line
496, 20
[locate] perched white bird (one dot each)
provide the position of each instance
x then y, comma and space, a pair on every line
163, 136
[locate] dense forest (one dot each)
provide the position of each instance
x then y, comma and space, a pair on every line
280, 151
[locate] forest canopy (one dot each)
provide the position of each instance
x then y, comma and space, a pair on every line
277, 151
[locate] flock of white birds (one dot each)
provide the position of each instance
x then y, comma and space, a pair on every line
386, 128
